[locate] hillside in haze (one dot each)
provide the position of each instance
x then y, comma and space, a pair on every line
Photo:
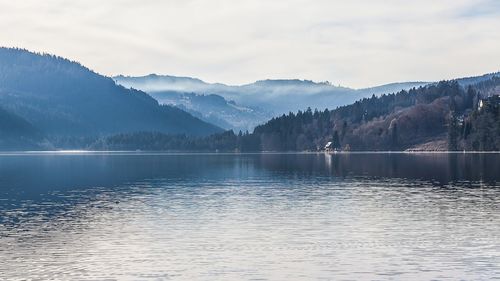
17, 133
215, 109
441, 116
260, 100
449, 115
48, 102
61, 98
203, 100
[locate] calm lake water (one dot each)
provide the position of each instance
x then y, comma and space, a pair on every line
136, 216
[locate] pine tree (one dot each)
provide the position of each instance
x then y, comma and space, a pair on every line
453, 132
336, 140
394, 136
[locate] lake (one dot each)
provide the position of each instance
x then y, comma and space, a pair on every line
159, 216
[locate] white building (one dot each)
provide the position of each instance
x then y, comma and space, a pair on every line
480, 104
329, 146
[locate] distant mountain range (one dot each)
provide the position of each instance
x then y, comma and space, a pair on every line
244, 107
49, 102
215, 109
462, 114
59, 98
456, 115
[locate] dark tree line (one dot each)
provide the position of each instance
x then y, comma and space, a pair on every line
154, 141
389, 122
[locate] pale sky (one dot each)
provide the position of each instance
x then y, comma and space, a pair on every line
354, 43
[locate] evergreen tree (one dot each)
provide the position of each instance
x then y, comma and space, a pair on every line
453, 132
336, 140
394, 136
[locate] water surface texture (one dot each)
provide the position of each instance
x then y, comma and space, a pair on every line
136, 216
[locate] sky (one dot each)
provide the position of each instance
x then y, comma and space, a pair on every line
355, 43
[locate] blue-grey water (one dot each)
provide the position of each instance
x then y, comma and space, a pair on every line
137, 216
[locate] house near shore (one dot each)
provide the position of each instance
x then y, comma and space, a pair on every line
330, 147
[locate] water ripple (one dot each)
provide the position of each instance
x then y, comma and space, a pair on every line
242, 218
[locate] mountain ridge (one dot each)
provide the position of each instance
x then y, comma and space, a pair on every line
444, 116
267, 98
63, 98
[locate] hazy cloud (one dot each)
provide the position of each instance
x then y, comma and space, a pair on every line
355, 43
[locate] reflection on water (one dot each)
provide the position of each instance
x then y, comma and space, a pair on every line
257, 216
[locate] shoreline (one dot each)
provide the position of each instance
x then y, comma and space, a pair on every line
135, 152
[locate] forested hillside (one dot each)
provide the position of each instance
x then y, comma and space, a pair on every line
17, 133
255, 103
480, 130
61, 98
441, 116
214, 109
49, 102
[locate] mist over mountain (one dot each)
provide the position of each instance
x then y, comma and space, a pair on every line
261, 100
61, 98
209, 102
48, 101
448, 115
461, 114
215, 109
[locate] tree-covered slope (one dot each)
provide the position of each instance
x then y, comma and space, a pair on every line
17, 133
255, 102
215, 109
440, 116
445, 114
62, 98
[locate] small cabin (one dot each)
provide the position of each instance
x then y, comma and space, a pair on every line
480, 104
329, 146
